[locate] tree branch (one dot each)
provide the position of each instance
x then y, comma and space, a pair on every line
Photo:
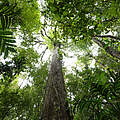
45, 34
43, 53
110, 50
108, 36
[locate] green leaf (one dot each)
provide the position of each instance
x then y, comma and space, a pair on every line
6, 21
6, 53
3, 22
11, 49
5, 32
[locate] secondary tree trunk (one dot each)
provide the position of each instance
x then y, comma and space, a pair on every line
54, 107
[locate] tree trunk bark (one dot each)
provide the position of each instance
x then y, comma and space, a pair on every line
54, 106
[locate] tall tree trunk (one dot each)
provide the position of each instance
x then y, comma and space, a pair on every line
54, 107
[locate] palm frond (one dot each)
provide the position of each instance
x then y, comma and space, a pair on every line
7, 42
8, 12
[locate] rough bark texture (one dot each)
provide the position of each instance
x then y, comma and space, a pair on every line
54, 107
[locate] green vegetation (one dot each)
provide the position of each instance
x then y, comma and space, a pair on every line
89, 30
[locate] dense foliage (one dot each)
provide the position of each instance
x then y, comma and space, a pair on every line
88, 29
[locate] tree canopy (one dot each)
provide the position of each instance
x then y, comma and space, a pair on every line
34, 84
